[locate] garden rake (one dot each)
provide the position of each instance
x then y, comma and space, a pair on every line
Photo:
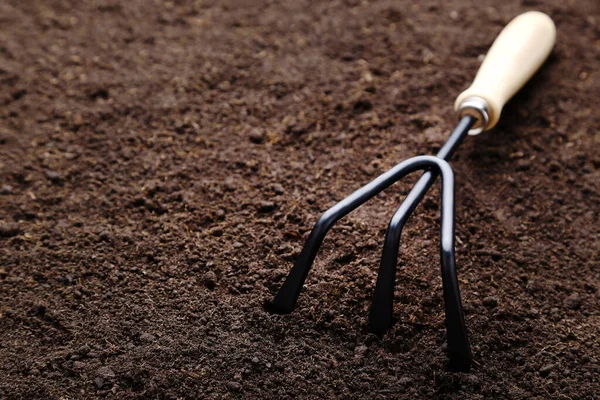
516, 54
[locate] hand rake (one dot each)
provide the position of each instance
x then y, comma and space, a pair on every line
514, 57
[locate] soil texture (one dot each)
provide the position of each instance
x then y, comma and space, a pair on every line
162, 163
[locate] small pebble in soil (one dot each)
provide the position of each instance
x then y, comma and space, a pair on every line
68, 279
573, 302
220, 215
237, 245
210, 279
266, 206
224, 86
83, 350
257, 136
490, 302
234, 386
9, 230
105, 372
277, 188
230, 184
6, 189
78, 365
215, 231
106, 236
147, 337
127, 153
53, 176
585, 358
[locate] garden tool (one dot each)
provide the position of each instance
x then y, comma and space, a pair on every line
516, 54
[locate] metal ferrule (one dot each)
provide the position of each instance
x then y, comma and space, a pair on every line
478, 108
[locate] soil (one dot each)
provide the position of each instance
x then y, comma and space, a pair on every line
161, 164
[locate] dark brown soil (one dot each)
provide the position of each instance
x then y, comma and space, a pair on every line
162, 162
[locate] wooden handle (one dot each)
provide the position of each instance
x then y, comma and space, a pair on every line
516, 54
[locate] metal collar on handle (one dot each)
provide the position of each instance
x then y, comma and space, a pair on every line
478, 108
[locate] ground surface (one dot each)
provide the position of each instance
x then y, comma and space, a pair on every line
162, 162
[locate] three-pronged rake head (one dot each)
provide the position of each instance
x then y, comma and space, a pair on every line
516, 54
380, 318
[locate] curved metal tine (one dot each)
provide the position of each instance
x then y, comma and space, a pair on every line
286, 298
380, 318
